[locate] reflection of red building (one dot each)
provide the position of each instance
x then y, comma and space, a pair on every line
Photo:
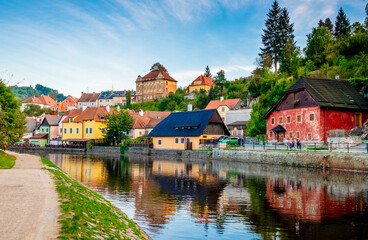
309, 202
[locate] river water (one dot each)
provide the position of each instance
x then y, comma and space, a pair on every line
184, 199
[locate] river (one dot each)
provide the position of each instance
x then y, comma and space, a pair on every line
194, 199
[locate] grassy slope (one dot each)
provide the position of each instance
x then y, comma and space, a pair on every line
87, 215
6, 161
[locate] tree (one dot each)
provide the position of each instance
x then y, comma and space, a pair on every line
158, 67
328, 24
35, 110
317, 44
117, 126
342, 25
278, 31
265, 61
220, 80
290, 59
207, 72
128, 98
11, 119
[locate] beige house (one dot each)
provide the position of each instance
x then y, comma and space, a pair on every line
224, 105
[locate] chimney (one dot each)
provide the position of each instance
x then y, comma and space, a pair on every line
118, 108
221, 98
141, 113
189, 107
84, 107
108, 108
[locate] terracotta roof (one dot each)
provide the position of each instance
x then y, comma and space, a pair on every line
46, 100
71, 114
204, 81
149, 119
32, 99
231, 103
155, 75
97, 114
89, 97
63, 106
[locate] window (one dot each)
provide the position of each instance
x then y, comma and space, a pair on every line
64, 130
77, 130
176, 140
90, 130
70, 120
309, 136
167, 83
42, 129
47, 130
103, 130
299, 118
182, 140
222, 109
297, 135
86, 130
188, 139
311, 117
271, 134
290, 135
280, 120
272, 121
159, 142
71, 130
288, 119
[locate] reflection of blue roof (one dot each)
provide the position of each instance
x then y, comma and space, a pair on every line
185, 124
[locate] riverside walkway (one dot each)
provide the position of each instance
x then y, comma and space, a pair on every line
28, 201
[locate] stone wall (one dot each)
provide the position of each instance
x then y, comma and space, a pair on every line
306, 159
180, 153
104, 149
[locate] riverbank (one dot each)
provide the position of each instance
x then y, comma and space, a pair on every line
39, 201
28, 201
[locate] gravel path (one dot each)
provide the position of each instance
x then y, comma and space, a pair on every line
28, 201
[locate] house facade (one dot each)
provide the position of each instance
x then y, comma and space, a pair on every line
224, 105
89, 123
69, 103
154, 85
115, 98
89, 100
185, 130
50, 126
145, 122
201, 82
312, 107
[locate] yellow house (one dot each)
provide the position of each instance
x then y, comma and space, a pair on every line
187, 130
201, 82
224, 105
86, 124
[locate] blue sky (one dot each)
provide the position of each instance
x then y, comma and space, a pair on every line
73, 45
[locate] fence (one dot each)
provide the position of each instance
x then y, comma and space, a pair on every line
141, 145
326, 147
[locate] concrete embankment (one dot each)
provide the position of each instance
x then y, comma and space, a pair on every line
343, 161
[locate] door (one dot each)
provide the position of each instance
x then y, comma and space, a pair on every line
188, 144
358, 119
280, 136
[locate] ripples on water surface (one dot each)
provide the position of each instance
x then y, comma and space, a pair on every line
181, 199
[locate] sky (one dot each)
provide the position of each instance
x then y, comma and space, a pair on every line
98, 45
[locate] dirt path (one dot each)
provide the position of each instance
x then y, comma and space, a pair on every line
28, 201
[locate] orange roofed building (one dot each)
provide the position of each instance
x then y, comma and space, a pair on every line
145, 122
154, 85
224, 105
69, 103
44, 101
201, 82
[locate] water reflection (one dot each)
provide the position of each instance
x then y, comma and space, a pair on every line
195, 200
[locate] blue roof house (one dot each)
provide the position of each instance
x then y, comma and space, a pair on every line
186, 130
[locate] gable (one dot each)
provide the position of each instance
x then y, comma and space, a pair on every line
299, 99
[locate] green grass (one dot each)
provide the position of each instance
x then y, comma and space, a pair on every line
6, 161
86, 214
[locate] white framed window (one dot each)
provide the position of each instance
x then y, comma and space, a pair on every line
103, 130
70, 120
71, 130
159, 142
176, 140
77, 130
86, 130
90, 130
182, 140
64, 130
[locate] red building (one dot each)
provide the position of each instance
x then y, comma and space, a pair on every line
312, 107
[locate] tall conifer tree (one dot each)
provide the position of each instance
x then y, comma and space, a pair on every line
342, 24
207, 72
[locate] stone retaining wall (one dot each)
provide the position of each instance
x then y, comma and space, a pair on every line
307, 159
104, 149
181, 153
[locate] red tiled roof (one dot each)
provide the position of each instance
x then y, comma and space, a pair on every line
149, 120
204, 81
46, 100
97, 114
155, 76
63, 106
32, 99
71, 114
231, 103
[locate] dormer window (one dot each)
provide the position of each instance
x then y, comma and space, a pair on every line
70, 120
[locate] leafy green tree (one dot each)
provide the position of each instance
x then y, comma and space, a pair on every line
118, 126
35, 110
11, 119
158, 67
317, 44
342, 25
207, 72
136, 107
290, 59
128, 98
202, 99
220, 80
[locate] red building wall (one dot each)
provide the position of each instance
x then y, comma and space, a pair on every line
317, 128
